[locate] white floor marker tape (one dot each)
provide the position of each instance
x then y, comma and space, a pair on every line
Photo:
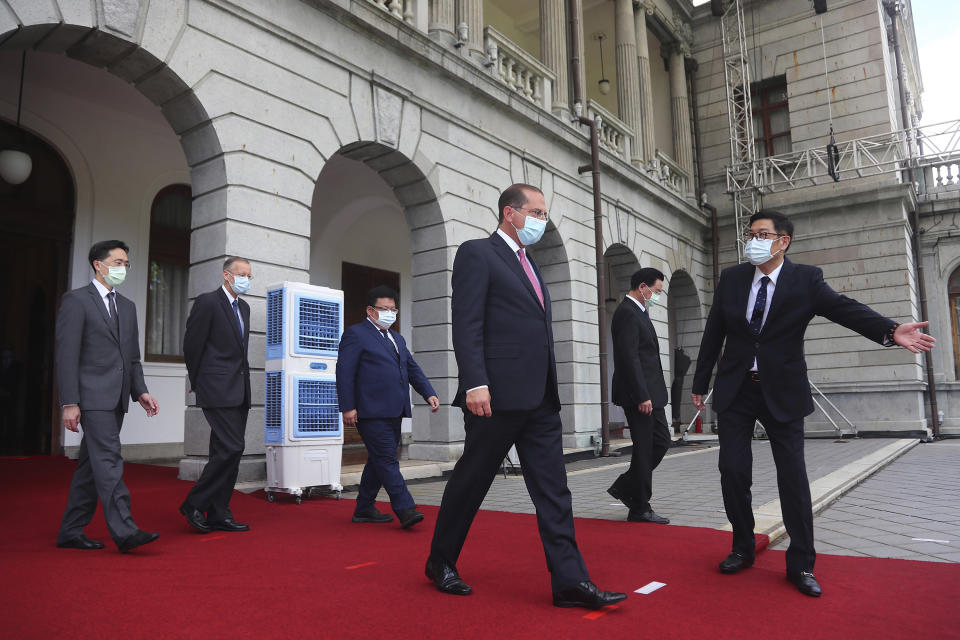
650, 587
930, 540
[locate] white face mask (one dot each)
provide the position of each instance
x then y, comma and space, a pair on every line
757, 251
385, 319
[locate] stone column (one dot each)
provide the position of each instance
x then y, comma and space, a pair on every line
682, 138
470, 12
442, 17
553, 48
578, 7
645, 143
628, 76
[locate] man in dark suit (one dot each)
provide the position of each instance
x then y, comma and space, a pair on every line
215, 351
503, 341
761, 309
374, 373
98, 371
639, 387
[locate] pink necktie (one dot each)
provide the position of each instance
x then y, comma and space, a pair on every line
531, 275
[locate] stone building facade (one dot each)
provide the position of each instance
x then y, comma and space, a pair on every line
328, 138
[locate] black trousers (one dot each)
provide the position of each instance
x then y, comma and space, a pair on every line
537, 435
99, 474
651, 440
213, 490
736, 475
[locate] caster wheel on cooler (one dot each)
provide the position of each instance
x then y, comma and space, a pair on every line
271, 497
299, 499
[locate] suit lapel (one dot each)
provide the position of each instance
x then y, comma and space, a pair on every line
98, 303
781, 290
227, 309
513, 263
384, 342
742, 285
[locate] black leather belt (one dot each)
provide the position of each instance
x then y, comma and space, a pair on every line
754, 376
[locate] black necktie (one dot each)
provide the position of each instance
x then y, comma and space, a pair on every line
236, 310
113, 311
393, 346
756, 320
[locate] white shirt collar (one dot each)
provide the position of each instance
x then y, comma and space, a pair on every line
375, 325
230, 296
510, 241
102, 288
773, 275
639, 304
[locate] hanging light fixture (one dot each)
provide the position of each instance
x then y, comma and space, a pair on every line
15, 163
604, 84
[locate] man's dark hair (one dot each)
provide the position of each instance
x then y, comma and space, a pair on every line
228, 263
102, 249
646, 275
382, 291
781, 223
514, 196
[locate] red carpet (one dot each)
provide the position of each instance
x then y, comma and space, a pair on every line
307, 571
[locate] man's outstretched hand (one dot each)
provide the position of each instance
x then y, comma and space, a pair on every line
909, 336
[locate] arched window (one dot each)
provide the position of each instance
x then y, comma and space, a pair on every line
954, 292
169, 268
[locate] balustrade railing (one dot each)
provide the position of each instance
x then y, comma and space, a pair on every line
517, 69
670, 174
615, 136
399, 9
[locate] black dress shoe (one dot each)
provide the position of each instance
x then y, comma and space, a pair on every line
80, 542
647, 516
195, 518
228, 524
623, 497
409, 517
735, 562
372, 515
805, 583
135, 540
586, 594
446, 578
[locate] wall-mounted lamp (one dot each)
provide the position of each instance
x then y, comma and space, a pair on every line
604, 84
15, 163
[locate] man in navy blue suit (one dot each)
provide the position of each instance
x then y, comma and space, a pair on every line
761, 310
374, 373
503, 341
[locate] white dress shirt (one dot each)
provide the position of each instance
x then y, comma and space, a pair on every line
639, 304
389, 335
755, 290
104, 292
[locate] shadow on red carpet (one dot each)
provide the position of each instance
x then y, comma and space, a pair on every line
307, 571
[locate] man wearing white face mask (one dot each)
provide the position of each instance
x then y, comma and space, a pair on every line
503, 341
639, 387
761, 309
375, 371
98, 373
215, 351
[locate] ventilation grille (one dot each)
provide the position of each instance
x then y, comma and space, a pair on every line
274, 324
317, 412
318, 326
273, 408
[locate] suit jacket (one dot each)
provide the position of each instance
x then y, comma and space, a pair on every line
637, 371
502, 337
373, 378
800, 294
216, 353
97, 369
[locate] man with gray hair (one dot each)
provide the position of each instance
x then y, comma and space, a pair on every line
215, 350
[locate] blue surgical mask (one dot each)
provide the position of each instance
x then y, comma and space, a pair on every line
532, 230
385, 319
241, 284
757, 251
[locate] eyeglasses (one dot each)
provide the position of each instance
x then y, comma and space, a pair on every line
394, 309
540, 214
239, 275
115, 263
761, 235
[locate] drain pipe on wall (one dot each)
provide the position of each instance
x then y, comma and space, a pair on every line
893, 10
698, 157
594, 169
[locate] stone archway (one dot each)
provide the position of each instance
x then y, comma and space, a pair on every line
375, 209
685, 321
621, 265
